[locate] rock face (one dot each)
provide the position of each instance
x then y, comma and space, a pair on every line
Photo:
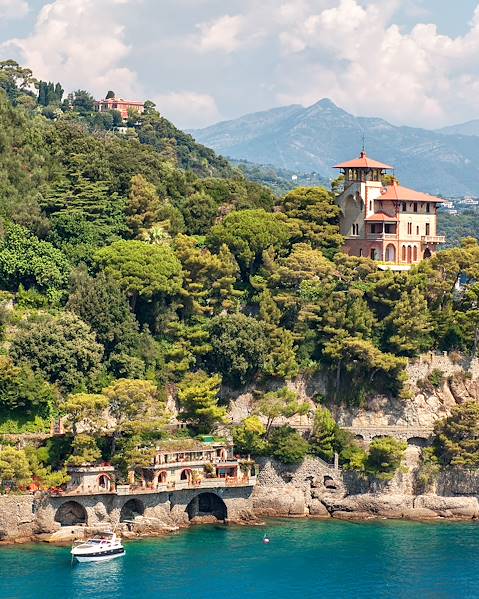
17, 518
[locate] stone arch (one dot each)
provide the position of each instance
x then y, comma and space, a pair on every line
359, 437
390, 253
207, 504
186, 474
71, 513
409, 254
131, 509
414, 253
427, 254
104, 482
404, 253
162, 476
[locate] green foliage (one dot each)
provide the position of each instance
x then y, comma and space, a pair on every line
142, 270
314, 211
85, 451
199, 212
23, 392
238, 347
282, 403
14, 466
287, 445
85, 411
384, 457
248, 438
198, 397
456, 438
248, 233
60, 347
27, 261
409, 324
323, 437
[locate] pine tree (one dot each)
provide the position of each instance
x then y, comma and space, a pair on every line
408, 327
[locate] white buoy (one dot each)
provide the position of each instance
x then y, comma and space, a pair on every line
265, 540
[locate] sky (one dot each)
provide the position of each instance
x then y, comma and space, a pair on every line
412, 62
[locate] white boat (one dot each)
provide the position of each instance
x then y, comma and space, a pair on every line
102, 547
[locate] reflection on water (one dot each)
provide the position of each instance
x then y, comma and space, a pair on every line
304, 560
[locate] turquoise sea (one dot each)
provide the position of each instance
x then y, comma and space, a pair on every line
305, 559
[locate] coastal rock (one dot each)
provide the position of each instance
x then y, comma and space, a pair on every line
461, 507
318, 509
279, 501
388, 506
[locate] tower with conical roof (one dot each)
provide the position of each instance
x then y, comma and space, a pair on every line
390, 223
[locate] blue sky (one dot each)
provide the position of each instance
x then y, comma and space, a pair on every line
413, 62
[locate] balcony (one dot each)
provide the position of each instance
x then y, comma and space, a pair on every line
433, 239
381, 236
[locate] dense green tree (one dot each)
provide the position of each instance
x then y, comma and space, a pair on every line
384, 457
142, 207
248, 438
198, 396
323, 436
456, 438
316, 214
249, 232
238, 346
116, 328
16, 81
199, 212
22, 391
143, 270
61, 347
14, 466
26, 260
85, 451
409, 325
83, 102
287, 445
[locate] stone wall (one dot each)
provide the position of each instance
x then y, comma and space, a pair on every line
17, 517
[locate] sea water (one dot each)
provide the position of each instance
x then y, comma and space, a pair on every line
304, 559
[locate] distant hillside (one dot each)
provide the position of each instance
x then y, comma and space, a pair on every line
317, 137
469, 128
280, 180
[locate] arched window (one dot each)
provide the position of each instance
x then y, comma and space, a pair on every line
409, 254
415, 253
404, 253
104, 482
360, 252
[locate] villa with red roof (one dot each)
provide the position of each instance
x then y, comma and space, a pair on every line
388, 223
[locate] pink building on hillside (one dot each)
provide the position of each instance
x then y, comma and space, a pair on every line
121, 105
387, 223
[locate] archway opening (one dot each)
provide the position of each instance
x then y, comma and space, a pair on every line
186, 474
71, 513
328, 482
132, 509
390, 253
427, 254
207, 504
162, 476
104, 482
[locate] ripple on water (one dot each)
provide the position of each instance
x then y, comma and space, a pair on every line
305, 559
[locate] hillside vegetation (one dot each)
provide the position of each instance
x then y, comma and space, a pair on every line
124, 276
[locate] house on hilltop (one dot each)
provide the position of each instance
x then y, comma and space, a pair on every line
388, 223
119, 104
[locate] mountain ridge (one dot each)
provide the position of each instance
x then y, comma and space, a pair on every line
316, 137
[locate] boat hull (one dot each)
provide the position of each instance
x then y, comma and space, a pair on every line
99, 557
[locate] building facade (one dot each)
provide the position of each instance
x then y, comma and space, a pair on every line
387, 223
121, 105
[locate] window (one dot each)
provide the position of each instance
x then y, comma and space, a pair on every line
404, 253
415, 253
417, 230
428, 228
360, 252
409, 228
404, 207
370, 206
428, 207
415, 206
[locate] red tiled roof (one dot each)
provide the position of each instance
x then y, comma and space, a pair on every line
364, 162
381, 217
397, 192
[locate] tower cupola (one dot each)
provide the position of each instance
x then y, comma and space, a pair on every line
363, 169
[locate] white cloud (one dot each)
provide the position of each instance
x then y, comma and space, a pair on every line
221, 34
188, 109
13, 9
80, 43
353, 54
